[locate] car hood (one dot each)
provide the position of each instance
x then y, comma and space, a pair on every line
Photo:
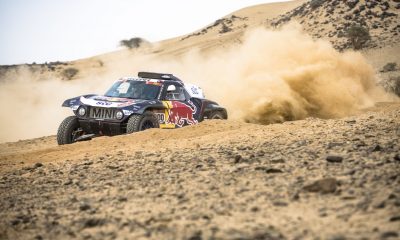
105, 101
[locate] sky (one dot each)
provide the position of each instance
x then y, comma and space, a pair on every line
64, 30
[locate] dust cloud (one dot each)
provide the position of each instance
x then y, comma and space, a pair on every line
273, 76
31, 107
277, 76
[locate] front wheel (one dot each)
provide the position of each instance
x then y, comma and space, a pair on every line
69, 131
140, 122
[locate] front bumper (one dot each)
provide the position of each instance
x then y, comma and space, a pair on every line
99, 127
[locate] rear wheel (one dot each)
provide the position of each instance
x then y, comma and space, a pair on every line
69, 131
140, 122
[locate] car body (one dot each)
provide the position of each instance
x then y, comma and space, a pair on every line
151, 100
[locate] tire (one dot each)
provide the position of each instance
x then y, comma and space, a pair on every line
216, 115
141, 122
68, 131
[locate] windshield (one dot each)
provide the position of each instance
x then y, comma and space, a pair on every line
135, 89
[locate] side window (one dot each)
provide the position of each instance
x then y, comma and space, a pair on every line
182, 96
177, 94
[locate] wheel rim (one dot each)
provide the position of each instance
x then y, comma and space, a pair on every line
146, 125
76, 133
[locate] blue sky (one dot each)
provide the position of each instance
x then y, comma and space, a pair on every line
52, 30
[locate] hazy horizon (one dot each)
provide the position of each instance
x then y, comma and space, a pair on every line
44, 30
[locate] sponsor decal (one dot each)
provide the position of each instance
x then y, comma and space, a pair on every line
127, 112
153, 82
108, 101
126, 103
103, 103
194, 90
178, 114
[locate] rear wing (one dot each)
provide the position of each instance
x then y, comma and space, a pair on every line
161, 76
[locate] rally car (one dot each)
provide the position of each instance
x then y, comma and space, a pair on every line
151, 100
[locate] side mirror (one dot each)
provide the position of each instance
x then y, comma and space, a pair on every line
171, 88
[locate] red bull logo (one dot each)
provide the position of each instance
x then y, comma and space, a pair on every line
179, 113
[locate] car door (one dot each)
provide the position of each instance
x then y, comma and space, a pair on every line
179, 110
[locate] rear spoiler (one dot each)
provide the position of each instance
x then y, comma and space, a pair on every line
161, 76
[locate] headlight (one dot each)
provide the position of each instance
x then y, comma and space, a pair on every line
81, 111
119, 115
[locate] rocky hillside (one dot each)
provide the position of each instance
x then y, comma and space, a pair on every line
43, 71
331, 19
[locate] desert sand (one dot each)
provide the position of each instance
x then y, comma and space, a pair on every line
308, 179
